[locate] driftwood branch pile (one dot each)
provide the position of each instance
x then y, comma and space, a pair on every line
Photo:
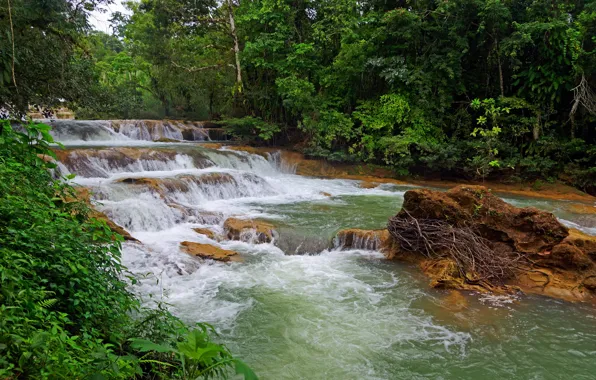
474, 256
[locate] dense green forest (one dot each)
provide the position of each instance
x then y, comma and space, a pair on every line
501, 89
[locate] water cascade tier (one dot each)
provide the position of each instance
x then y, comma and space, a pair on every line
73, 131
290, 298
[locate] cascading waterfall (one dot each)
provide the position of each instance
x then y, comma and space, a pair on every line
81, 131
340, 313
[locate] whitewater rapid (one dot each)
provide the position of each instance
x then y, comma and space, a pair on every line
325, 313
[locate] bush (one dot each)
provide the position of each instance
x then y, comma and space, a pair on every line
250, 129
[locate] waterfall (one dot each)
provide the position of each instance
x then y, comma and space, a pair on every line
79, 131
292, 305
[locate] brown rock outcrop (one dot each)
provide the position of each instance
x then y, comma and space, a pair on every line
113, 226
207, 232
368, 185
208, 251
248, 230
181, 183
353, 238
526, 230
550, 259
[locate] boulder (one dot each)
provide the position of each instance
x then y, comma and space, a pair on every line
208, 251
353, 238
207, 232
249, 230
368, 185
553, 260
525, 230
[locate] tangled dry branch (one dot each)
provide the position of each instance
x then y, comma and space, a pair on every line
471, 252
584, 95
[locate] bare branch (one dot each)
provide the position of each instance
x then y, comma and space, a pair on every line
584, 95
472, 253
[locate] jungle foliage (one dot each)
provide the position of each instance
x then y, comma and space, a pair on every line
65, 311
501, 89
463, 88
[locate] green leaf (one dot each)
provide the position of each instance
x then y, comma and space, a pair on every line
146, 345
242, 369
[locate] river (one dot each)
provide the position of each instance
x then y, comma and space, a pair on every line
298, 308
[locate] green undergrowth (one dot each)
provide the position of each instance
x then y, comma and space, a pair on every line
65, 308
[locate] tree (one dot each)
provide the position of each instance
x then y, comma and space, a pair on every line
42, 62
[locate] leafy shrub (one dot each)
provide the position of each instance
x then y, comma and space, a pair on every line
250, 129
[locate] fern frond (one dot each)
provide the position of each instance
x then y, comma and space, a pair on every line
47, 304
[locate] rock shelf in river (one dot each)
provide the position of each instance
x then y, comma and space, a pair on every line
536, 253
208, 251
249, 230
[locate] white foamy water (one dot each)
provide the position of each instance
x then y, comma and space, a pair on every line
327, 314
128, 132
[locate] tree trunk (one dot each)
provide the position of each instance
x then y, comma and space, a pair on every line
500, 67
536, 129
500, 71
236, 46
211, 96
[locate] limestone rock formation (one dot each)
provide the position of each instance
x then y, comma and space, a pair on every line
354, 238
249, 230
368, 185
542, 255
207, 232
526, 230
84, 194
208, 251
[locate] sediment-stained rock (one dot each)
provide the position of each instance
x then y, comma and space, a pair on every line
100, 162
207, 232
552, 260
208, 251
368, 185
353, 238
249, 230
84, 194
525, 230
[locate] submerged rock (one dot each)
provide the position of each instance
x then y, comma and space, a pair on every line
249, 230
208, 251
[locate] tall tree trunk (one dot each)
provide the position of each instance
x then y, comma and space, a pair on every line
211, 97
236, 46
500, 69
500, 73
536, 128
